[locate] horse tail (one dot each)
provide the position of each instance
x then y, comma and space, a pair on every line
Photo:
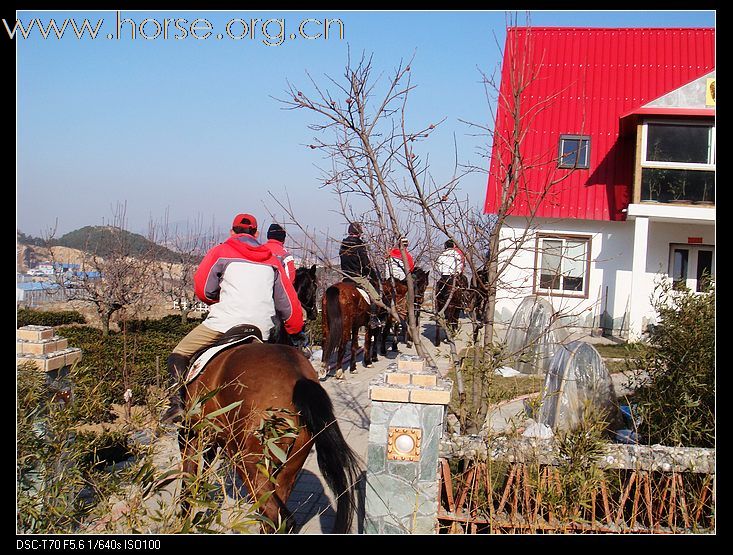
335, 323
337, 462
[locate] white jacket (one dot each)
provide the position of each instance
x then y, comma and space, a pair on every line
394, 268
450, 262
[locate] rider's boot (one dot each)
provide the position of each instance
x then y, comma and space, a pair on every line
177, 365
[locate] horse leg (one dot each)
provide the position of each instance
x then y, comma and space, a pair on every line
340, 359
376, 336
390, 329
325, 360
383, 338
287, 476
456, 321
189, 466
355, 344
477, 324
405, 332
273, 496
192, 449
453, 321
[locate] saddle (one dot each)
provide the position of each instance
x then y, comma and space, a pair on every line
238, 335
364, 294
361, 290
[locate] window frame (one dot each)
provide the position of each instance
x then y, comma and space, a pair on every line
560, 157
710, 166
537, 290
691, 278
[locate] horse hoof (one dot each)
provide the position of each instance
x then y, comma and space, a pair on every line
355, 372
322, 375
339, 374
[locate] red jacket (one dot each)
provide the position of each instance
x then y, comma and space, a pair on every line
244, 283
397, 255
285, 258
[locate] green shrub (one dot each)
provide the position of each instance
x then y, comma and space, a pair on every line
55, 484
314, 330
168, 324
31, 403
112, 364
28, 317
674, 376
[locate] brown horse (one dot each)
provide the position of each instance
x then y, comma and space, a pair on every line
420, 281
267, 378
449, 296
344, 312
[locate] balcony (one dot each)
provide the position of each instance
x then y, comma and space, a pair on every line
675, 163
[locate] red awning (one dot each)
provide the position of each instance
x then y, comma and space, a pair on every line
663, 111
629, 119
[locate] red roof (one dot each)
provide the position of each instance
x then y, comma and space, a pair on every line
587, 80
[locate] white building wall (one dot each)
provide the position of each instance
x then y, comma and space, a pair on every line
661, 236
610, 280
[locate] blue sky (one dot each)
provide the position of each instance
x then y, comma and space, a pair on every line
190, 126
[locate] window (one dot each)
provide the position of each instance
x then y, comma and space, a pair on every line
678, 162
574, 151
562, 265
691, 266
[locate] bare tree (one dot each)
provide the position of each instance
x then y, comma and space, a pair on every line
373, 157
175, 267
117, 281
363, 132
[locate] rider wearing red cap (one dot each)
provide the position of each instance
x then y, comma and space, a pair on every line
243, 283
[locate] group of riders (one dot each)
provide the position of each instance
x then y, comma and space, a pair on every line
245, 281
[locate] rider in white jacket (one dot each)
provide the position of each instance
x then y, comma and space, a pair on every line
451, 261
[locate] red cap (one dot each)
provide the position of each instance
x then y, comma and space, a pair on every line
246, 221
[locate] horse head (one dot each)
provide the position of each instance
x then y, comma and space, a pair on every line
421, 283
306, 285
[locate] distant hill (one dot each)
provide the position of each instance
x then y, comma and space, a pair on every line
102, 241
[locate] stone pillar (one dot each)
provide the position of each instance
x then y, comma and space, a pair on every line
639, 301
49, 353
407, 415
